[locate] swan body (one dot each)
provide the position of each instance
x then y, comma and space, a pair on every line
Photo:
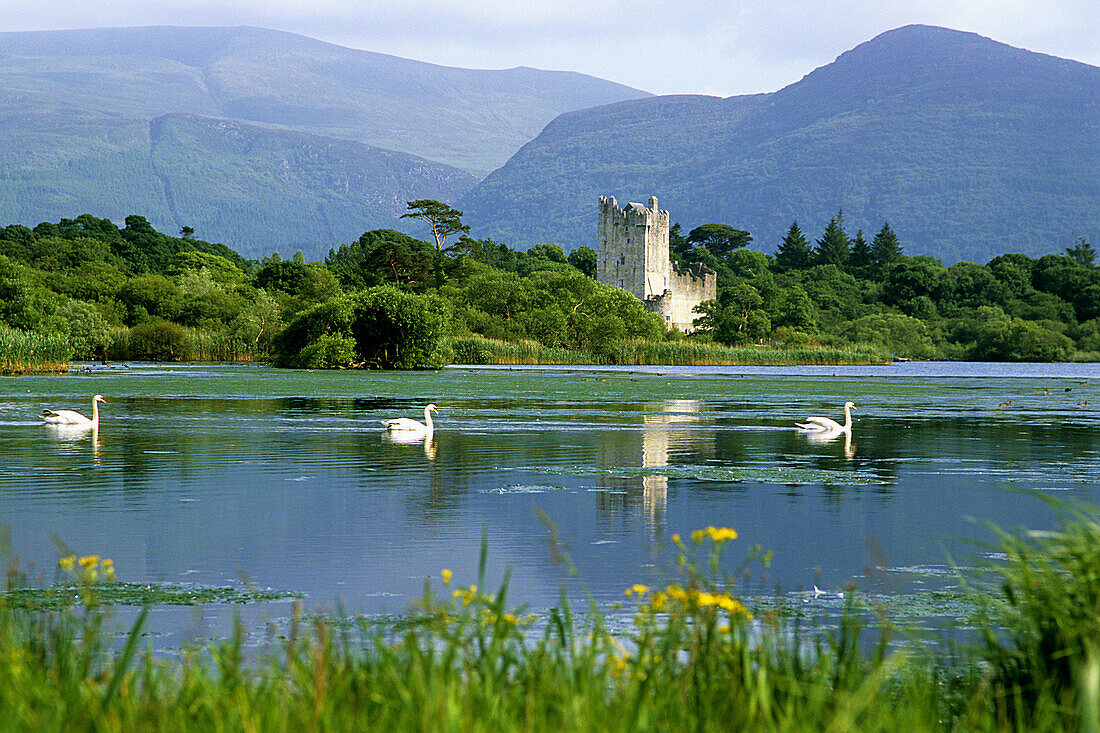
72, 417
824, 424
408, 425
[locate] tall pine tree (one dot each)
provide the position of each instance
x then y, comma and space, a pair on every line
885, 248
860, 261
794, 251
832, 248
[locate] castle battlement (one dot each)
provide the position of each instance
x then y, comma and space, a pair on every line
632, 253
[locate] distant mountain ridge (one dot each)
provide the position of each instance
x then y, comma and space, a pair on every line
969, 148
116, 121
466, 118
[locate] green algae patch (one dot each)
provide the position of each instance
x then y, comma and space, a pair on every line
60, 597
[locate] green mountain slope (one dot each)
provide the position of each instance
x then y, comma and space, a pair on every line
257, 189
969, 148
471, 119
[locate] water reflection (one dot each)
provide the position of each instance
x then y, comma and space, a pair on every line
398, 437
821, 437
666, 430
74, 438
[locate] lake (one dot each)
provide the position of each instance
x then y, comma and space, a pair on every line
220, 475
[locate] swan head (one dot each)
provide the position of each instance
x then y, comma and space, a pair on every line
433, 408
99, 398
849, 405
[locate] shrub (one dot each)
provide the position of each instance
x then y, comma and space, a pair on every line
383, 327
158, 341
329, 351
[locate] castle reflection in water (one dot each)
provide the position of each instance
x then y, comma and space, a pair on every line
624, 486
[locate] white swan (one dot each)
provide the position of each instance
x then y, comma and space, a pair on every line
405, 424
824, 424
72, 417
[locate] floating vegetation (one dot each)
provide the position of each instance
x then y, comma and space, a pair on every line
758, 474
64, 596
523, 489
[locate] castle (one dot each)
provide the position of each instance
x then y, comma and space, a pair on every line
632, 254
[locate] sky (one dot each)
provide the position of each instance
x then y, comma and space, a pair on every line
721, 47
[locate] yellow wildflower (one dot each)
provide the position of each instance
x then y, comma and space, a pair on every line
466, 594
67, 563
89, 561
637, 589
717, 534
447, 575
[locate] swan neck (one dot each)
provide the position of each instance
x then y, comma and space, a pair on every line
428, 419
95, 412
847, 418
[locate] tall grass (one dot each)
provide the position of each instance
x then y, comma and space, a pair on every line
27, 351
167, 341
479, 350
695, 658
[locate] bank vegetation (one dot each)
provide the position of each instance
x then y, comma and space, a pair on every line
86, 289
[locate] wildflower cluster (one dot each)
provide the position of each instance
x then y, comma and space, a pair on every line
717, 534
678, 598
88, 569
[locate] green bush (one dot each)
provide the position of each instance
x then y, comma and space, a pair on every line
384, 327
158, 341
329, 351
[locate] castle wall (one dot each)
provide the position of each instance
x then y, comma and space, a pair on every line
632, 253
688, 288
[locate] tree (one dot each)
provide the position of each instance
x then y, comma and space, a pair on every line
443, 220
187, 232
833, 247
794, 251
1082, 253
720, 239
860, 260
885, 248
258, 322
584, 259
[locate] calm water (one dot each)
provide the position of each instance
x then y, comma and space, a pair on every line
213, 474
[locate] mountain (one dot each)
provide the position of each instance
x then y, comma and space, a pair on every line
262, 139
968, 147
256, 189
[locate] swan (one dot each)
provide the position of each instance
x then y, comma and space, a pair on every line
406, 424
824, 424
72, 417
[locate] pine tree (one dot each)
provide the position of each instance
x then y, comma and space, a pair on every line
885, 248
1082, 253
794, 251
860, 261
833, 247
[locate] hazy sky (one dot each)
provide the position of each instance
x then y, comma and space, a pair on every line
720, 47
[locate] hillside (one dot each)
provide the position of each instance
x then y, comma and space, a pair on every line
969, 148
260, 139
467, 118
256, 189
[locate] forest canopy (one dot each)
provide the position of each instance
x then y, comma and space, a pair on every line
390, 300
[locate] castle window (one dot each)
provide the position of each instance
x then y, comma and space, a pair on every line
622, 283
622, 259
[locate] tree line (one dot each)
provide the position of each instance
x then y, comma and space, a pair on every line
391, 300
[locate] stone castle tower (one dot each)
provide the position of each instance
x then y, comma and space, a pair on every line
632, 253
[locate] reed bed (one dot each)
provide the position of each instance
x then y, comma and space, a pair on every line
27, 351
694, 658
166, 341
205, 345
479, 350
